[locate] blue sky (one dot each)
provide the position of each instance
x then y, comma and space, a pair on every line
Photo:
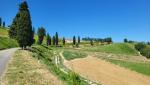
94, 18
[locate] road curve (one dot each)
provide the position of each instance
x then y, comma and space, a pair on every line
5, 55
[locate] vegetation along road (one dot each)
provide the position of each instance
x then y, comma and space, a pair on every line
5, 55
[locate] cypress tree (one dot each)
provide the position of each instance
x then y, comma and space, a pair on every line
56, 38
63, 40
13, 28
91, 42
41, 34
0, 21
3, 24
24, 26
74, 40
78, 39
48, 39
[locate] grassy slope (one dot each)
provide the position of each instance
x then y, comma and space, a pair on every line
47, 56
24, 69
143, 68
3, 32
69, 55
5, 41
116, 48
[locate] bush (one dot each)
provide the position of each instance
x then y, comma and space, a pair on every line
146, 52
140, 46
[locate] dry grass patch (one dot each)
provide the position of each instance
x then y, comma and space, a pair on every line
25, 70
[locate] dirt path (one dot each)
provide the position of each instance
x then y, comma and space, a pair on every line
5, 55
106, 73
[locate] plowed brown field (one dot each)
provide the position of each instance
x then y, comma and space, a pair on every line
106, 73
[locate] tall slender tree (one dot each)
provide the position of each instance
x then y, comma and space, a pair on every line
56, 38
63, 40
24, 26
0, 21
91, 42
78, 39
54, 43
41, 33
74, 40
48, 39
3, 24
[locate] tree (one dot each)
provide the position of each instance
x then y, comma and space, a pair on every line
13, 27
91, 42
74, 40
3, 24
24, 26
78, 39
0, 21
125, 40
140, 46
48, 39
41, 34
56, 38
63, 40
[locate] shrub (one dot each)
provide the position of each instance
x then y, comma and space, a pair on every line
140, 46
146, 52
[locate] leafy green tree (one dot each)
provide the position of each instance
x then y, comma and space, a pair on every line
54, 43
63, 40
74, 40
48, 39
24, 26
41, 33
91, 42
78, 39
56, 38
0, 21
13, 27
125, 40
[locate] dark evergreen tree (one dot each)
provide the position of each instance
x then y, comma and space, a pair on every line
13, 28
24, 26
3, 24
125, 40
41, 34
63, 40
74, 40
91, 42
0, 21
78, 39
54, 43
56, 38
48, 39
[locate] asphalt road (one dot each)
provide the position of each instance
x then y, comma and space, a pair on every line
5, 56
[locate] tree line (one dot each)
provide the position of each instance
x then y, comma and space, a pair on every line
108, 39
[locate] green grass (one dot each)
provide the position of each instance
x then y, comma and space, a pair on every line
3, 32
46, 55
116, 48
143, 68
69, 55
7, 43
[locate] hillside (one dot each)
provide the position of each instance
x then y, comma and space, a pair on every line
5, 41
3, 32
116, 48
